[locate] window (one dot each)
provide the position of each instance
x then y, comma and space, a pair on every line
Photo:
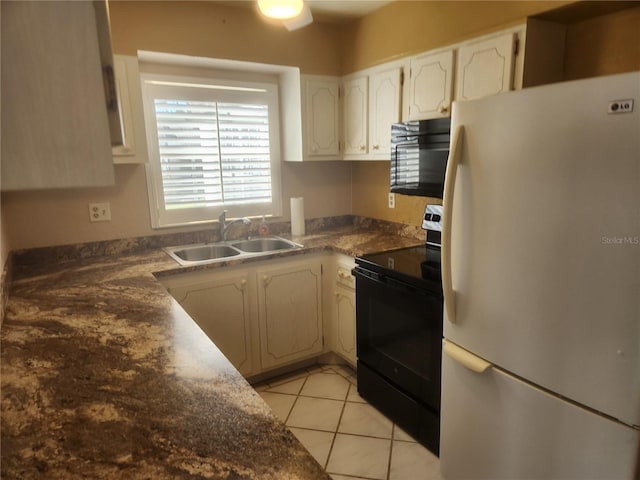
213, 146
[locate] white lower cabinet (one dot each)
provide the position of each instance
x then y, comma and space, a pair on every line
220, 306
262, 315
343, 310
345, 322
290, 312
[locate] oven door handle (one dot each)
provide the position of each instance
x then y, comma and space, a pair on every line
390, 281
400, 285
447, 209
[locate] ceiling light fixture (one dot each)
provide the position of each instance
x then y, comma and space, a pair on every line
280, 9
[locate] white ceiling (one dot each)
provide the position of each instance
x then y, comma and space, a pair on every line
336, 11
342, 10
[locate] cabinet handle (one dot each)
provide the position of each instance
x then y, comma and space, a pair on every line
265, 280
362, 148
337, 294
243, 284
443, 109
376, 147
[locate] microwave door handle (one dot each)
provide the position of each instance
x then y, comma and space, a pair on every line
447, 202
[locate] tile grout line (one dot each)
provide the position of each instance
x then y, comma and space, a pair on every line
335, 434
393, 435
295, 401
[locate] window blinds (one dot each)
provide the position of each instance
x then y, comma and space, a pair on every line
213, 153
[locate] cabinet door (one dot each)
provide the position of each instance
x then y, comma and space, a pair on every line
55, 129
431, 86
355, 111
220, 307
485, 68
344, 315
290, 312
134, 145
384, 110
322, 114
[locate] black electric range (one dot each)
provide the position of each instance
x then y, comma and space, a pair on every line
399, 307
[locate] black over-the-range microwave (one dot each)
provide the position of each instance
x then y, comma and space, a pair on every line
419, 152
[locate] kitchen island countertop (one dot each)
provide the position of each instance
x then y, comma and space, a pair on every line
105, 376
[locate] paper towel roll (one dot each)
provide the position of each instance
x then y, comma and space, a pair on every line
297, 216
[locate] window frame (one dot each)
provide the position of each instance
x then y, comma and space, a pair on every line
230, 90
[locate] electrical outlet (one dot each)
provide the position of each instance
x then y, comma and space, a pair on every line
392, 200
99, 212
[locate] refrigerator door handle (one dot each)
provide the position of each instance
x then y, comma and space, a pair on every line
464, 358
447, 202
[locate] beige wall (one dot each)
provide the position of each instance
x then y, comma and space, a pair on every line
219, 31
5, 246
44, 218
61, 217
603, 45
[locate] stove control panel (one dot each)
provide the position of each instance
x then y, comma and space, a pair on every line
432, 219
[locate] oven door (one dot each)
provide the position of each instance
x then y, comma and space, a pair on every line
399, 334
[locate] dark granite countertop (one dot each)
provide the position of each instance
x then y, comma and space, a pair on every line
105, 376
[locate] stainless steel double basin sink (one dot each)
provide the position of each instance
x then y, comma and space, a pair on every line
236, 249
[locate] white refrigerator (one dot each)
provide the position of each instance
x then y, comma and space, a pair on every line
541, 279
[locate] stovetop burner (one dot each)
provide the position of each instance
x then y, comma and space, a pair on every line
419, 266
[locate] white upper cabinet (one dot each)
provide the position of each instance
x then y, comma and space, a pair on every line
385, 89
55, 112
134, 142
355, 115
375, 98
486, 67
371, 103
321, 118
431, 85
480, 67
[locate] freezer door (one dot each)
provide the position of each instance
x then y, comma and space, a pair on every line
495, 427
545, 239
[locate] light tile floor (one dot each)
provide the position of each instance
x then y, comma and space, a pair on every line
346, 435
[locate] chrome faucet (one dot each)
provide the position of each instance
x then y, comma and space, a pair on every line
224, 226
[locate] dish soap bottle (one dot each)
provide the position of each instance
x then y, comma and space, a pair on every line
263, 229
